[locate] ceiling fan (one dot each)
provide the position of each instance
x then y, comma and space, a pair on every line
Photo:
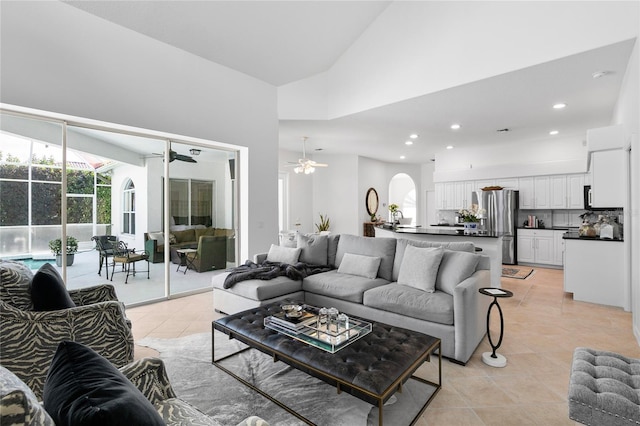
304, 164
180, 157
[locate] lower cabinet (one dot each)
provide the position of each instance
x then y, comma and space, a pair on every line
536, 246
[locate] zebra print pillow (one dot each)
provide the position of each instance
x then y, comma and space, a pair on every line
18, 404
15, 278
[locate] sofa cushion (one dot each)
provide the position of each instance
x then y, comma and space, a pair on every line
281, 254
223, 232
18, 404
384, 248
259, 289
332, 248
456, 266
82, 387
340, 286
185, 236
15, 280
205, 232
362, 266
48, 291
314, 248
403, 243
404, 300
156, 236
420, 267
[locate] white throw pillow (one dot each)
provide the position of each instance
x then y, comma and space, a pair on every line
156, 236
419, 267
283, 254
456, 266
363, 266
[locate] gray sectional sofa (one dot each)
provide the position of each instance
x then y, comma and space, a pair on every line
427, 287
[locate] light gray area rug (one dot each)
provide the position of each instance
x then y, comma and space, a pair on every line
196, 380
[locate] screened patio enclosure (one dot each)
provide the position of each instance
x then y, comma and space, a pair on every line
68, 177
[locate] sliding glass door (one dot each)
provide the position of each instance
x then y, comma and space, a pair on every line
111, 183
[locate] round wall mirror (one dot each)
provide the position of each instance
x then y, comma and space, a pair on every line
371, 201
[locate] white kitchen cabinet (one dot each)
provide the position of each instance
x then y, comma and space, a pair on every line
479, 184
536, 246
608, 177
527, 193
458, 190
449, 196
541, 192
469, 188
558, 192
508, 183
575, 191
439, 188
558, 249
594, 272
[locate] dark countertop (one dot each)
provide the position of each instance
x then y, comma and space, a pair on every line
573, 235
451, 232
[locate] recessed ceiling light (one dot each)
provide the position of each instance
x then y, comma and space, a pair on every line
402, 157
413, 136
455, 126
449, 146
408, 143
553, 132
559, 105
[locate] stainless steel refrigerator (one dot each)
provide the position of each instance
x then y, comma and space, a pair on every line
500, 218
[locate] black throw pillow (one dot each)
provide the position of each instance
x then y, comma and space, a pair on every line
48, 292
83, 388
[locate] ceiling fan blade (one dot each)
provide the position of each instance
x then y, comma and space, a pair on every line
184, 158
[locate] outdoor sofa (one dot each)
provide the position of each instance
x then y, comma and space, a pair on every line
382, 279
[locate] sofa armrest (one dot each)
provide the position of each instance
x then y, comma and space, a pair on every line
150, 377
470, 313
260, 257
95, 294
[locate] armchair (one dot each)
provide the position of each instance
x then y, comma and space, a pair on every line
211, 254
29, 339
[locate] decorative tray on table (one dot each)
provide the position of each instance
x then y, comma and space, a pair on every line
308, 328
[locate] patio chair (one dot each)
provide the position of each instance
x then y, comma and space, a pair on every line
105, 244
128, 259
30, 338
211, 254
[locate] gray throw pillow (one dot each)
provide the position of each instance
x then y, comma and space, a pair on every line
314, 249
419, 267
363, 266
456, 266
283, 254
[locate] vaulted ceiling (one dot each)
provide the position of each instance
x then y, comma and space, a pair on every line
281, 42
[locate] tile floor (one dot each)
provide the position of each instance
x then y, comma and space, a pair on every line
542, 327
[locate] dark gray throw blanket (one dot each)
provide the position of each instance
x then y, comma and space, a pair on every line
270, 270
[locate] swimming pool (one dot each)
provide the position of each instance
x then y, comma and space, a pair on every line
35, 264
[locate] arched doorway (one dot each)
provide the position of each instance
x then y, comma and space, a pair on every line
402, 191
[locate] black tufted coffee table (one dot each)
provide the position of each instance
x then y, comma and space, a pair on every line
372, 368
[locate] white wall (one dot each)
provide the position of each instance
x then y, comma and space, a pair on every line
512, 160
372, 174
300, 193
418, 47
58, 58
138, 176
627, 113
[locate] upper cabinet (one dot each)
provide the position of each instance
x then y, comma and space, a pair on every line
527, 193
575, 191
558, 192
608, 177
541, 194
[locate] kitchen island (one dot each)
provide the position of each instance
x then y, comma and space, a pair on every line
594, 270
490, 243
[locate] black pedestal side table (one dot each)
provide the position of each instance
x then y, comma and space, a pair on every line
492, 358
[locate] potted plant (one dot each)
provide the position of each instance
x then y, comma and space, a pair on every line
323, 226
56, 249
